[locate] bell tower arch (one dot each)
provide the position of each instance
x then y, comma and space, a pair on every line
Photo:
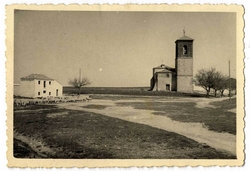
184, 63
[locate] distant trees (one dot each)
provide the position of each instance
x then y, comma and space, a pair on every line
79, 82
220, 83
211, 79
233, 84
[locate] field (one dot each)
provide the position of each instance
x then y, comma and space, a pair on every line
119, 127
140, 91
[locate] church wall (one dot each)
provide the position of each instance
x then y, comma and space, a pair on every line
152, 83
185, 84
163, 80
174, 82
185, 66
185, 74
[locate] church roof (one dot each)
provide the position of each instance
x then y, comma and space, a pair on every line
165, 67
35, 77
164, 70
184, 38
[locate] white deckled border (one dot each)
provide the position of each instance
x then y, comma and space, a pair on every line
14, 162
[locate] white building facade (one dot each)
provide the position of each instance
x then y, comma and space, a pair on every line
38, 85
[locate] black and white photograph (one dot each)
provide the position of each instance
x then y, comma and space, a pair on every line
127, 84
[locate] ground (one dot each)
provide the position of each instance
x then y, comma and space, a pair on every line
129, 127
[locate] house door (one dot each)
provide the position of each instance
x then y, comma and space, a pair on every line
56, 92
167, 87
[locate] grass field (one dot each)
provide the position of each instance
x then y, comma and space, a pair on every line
217, 119
79, 134
140, 91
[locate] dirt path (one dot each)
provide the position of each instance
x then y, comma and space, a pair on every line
195, 131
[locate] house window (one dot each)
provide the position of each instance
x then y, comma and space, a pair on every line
167, 75
49, 93
44, 91
44, 84
49, 82
38, 93
38, 82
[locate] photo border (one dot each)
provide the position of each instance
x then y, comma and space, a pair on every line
240, 146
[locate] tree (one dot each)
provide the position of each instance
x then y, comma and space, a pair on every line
217, 82
205, 78
78, 83
220, 84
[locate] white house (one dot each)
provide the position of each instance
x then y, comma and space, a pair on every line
38, 85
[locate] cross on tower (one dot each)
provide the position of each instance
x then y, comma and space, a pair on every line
184, 31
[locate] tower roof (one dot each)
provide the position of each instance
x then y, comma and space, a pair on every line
185, 38
35, 77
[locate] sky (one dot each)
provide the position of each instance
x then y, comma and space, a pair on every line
118, 49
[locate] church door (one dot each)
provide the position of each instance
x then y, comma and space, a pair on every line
167, 87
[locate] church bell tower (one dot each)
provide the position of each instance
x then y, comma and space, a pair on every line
184, 63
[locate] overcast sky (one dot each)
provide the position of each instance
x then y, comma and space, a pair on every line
118, 48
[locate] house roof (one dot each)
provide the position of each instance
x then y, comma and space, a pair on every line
35, 77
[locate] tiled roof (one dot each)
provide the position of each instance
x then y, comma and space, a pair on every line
35, 77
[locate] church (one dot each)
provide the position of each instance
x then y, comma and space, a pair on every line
180, 78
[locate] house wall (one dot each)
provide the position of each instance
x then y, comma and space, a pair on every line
56, 86
26, 89
16, 89
49, 89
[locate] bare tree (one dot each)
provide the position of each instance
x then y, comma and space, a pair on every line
217, 80
220, 84
205, 78
78, 83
